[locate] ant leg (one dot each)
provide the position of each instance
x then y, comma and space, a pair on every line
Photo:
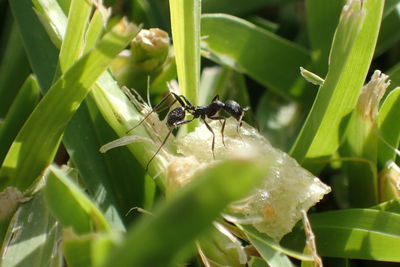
177, 124
240, 121
153, 110
220, 118
213, 140
215, 98
158, 150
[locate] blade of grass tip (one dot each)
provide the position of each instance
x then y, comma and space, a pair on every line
41, 53
20, 110
350, 59
186, 39
36, 143
188, 212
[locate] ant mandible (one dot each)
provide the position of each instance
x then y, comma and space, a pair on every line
176, 117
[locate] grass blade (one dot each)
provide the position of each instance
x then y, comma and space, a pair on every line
264, 56
188, 213
350, 58
186, 37
70, 205
49, 119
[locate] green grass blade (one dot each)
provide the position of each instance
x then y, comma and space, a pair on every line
14, 66
389, 36
270, 249
394, 76
389, 128
22, 106
356, 234
264, 56
319, 13
186, 38
41, 53
33, 237
38, 140
350, 58
73, 42
179, 221
70, 205
114, 180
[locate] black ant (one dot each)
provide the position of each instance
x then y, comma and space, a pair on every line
176, 117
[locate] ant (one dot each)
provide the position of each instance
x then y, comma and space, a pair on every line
176, 117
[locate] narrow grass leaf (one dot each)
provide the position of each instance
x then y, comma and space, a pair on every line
186, 38
389, 128
394, 74
350, 58
389, 35
73, 42
357, 234
188, 213
41, 52
14, 66
319, 13
33, 237
38, 140
270, 250
70, 205
264, 56
22, 106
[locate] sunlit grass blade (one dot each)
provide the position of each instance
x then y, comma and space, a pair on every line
264, 56
185, 23
345, 234
38, 140
389, 128
73, 42
33, 237
22, 106
70, 205
189, 212
350, 58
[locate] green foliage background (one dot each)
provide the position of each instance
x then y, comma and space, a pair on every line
60, 76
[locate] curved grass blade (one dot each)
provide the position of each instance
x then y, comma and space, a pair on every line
22, 106
36, 143
70, 205
350, 59
264, 56
355, 233
188, 213
40, 51
389, 128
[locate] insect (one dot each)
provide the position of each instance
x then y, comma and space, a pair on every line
176, 117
